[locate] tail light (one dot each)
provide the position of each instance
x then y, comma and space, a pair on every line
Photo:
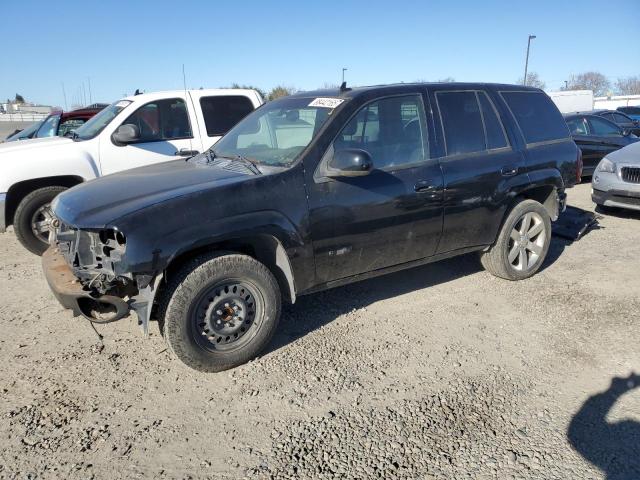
579, 166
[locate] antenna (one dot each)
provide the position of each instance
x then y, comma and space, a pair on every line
186, 100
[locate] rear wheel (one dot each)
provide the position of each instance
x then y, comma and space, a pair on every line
220, 311
33, 217
522, 244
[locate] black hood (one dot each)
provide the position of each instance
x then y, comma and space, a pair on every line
99, 202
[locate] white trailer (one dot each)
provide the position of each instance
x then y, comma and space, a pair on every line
572, 100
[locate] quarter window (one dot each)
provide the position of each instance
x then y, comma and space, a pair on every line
223, 112
462, 122
391, 130
161, 120
537, 116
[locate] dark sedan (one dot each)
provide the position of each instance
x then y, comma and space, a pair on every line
596, 136
633, 112
619, 118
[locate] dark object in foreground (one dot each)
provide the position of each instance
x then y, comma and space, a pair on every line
574, 223
314, 191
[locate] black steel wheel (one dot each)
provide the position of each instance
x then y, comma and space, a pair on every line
219, 311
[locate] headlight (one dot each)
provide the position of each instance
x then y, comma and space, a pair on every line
607, 165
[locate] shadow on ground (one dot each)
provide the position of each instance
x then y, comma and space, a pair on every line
612, 447
311, 312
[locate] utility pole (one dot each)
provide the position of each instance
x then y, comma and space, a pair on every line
526, 63
566, 85
343, 70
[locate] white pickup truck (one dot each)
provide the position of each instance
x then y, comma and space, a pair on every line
132, 132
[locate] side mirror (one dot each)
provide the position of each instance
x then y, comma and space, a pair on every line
126, 134
350, 162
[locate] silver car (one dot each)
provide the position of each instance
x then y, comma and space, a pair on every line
616, 180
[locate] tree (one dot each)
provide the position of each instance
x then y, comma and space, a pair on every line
19, 98
447, 80
628, 86
280, 91
594, 81
250, 87
533, 80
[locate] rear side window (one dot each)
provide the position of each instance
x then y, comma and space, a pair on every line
223, 112
537, 116
495, 131
462, 122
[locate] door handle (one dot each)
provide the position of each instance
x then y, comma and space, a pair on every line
425, 186
183, 152
509, 171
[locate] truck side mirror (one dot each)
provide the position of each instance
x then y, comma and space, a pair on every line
126, 134
350, 162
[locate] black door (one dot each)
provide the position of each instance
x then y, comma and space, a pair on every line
604, 137
479, 167
390, 216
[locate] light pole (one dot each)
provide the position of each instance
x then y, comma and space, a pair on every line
526, 63
343, 70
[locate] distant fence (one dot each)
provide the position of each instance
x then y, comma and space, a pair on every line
23, 117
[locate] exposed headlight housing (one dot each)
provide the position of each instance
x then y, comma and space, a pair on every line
607, 165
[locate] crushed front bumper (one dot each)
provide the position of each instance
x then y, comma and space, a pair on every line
73, 296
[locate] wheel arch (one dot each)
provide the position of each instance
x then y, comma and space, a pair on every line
266, 248
19, 190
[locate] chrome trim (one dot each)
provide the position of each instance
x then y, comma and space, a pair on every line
3, 223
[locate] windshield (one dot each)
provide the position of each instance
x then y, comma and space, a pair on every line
276, 133
26, 133
96, 124
49, 127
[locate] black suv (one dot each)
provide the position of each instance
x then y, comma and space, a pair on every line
307, 193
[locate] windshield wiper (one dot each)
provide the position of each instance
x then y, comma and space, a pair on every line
251, 165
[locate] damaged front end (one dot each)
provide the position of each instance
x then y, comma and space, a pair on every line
86, 269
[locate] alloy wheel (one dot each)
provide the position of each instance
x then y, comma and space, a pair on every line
527, 240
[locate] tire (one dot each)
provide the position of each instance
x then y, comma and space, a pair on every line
530, 246
219, 311
32, 209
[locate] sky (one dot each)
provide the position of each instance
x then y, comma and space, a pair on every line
100, 51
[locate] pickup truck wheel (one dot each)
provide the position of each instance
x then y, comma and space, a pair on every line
221, 311
522, 244
32, 220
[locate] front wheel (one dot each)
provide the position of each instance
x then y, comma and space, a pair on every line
33, 217
522, 244
221, 311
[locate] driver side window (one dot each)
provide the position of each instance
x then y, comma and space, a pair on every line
391, 130
161, 120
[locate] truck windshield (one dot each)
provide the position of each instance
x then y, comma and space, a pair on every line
276, 133
96, 124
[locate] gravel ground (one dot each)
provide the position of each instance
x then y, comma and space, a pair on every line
437, 372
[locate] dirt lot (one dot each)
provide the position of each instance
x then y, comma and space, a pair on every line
438, 372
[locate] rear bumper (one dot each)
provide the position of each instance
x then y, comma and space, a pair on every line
70, 293
3, 214
617, 198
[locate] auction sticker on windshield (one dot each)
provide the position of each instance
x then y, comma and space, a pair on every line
326, 102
